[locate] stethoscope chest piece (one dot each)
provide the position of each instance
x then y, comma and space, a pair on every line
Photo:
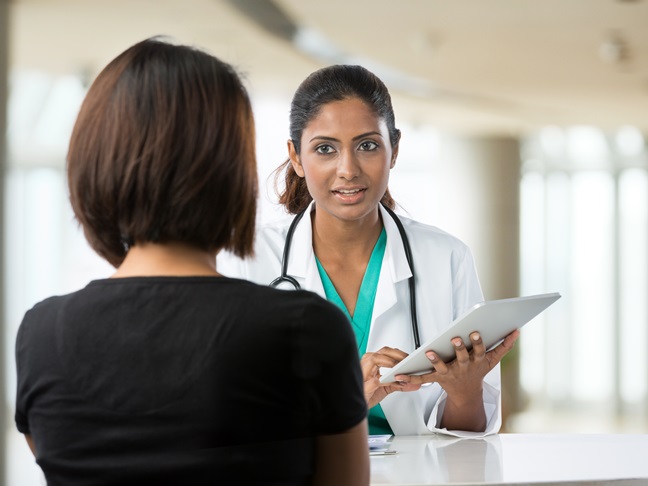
284, 281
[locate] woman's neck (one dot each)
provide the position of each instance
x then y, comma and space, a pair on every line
167, 259
345, 240
344, 249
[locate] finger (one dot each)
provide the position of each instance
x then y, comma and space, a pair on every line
410, 387
394, 385
495, 355
368, 366
414, 382
463, 356
439, 367
478, 348
369, 370
438, 364
404, 387
379, 360
385, 357
393, 353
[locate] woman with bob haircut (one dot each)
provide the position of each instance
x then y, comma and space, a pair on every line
346, 244
167, 372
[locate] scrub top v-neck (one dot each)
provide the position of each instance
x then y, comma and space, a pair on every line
361, 320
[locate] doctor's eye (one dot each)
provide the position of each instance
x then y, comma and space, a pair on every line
324, 149
368, 146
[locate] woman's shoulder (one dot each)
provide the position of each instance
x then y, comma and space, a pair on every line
50, 304
39, 318
302, 311
304, 304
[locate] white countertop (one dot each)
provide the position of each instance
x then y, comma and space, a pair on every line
515, 459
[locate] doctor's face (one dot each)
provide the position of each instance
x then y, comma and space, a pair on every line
345, 157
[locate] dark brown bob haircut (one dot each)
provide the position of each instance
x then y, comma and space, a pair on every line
163, 150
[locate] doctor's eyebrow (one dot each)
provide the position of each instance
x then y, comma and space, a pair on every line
357, 137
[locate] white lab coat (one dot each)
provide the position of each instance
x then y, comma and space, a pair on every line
446, 286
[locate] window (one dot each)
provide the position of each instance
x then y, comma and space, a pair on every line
584, 233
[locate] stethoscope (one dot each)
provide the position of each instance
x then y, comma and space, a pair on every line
285, 278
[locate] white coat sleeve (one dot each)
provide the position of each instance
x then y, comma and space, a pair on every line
492, 408
466, 292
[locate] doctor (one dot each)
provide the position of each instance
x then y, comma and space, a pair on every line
347, 247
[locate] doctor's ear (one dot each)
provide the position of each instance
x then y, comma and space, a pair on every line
294, 159
394, 156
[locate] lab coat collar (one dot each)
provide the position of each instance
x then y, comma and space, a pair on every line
302, 265
394, 269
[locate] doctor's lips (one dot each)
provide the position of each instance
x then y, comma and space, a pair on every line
348, 191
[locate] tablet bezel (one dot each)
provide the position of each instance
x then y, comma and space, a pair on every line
493, 319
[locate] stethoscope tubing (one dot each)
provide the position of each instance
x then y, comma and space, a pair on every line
285, 278
410, 281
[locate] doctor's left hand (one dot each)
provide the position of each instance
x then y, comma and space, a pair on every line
371, 363
462, 379
463, 375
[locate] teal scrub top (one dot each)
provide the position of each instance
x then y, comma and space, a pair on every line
361, 320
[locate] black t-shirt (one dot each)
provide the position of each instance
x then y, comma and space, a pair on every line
185, 380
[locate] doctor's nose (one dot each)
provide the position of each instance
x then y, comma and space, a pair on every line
347, 167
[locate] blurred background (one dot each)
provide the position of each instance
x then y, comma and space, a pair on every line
524, 133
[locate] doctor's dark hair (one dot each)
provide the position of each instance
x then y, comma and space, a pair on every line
326, 85
163, 151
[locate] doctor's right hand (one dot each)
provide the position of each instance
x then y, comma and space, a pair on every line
371, 363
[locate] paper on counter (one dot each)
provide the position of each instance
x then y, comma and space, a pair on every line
379, 445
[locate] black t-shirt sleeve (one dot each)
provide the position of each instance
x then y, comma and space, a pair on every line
35, 353
22, 423
326, 357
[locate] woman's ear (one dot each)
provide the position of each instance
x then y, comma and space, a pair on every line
394, 156
395, 149
294, 159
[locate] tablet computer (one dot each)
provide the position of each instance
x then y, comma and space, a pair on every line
493, 319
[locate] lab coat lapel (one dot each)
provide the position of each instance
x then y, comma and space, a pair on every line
402, 414
301, 264
394, 268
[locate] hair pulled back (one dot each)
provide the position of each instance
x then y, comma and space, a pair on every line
333, 83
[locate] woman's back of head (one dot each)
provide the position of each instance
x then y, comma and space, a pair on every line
163, 151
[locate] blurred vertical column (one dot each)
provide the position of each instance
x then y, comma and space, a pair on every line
4, 76
489, 170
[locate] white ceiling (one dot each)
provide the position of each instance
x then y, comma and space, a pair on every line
476, 66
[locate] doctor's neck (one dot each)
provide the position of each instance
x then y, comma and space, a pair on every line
350, 237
